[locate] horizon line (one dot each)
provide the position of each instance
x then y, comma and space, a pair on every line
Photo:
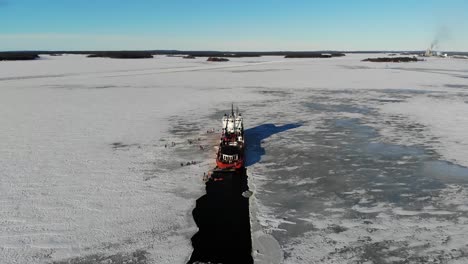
221, 51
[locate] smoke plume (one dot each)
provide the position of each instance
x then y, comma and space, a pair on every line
442, 34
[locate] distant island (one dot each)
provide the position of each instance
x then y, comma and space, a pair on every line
314, 55
392, 59
147, 54
217, 59
11, 56
122, 55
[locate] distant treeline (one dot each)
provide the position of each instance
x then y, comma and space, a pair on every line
122, 55
314, 55
10, 56
217, 59
241, 54
189, 54
128, 54
209, 54
392, 59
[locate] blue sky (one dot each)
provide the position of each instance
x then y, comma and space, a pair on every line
232, 25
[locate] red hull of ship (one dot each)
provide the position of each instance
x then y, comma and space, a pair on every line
235, 165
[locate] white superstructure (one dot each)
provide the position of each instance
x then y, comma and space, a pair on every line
233, 124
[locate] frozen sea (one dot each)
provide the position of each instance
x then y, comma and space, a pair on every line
349, 161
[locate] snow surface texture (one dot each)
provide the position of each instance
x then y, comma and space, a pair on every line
351, 162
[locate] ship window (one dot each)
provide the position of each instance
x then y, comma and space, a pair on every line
230, 158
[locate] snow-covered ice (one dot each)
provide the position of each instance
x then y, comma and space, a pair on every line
362, 163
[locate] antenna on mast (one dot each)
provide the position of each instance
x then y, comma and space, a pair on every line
233, 117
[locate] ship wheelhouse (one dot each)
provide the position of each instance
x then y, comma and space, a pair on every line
229, 154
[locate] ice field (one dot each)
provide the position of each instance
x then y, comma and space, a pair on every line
349, 161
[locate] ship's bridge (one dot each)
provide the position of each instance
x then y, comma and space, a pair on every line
229, 154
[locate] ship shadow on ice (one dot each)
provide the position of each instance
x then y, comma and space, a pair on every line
255, 136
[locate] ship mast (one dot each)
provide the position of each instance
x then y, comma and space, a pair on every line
233, 117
